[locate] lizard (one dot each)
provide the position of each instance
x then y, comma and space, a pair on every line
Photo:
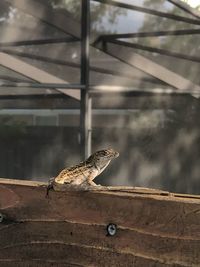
85, 172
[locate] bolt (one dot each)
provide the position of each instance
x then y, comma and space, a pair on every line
111, 229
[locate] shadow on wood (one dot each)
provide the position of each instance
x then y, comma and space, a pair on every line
154, 228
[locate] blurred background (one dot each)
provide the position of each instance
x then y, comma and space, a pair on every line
138, 62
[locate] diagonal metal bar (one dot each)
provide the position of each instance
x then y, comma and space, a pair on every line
148, 66
157, 50
109, 37
41, 58
149, 11
186, 8
34, 73
120, 73
39, 42
41, 85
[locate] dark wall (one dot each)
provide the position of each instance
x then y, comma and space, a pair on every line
36, 152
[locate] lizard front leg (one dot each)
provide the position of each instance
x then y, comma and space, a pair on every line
89, 179
90, 182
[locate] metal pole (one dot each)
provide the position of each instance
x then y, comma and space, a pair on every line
86, 101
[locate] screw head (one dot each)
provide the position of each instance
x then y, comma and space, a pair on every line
111, 229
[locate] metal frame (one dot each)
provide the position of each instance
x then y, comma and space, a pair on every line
125, 74
149, 11
67, 39
134, 59
35, 74
157, 50
111, 37
56, 86
86, 99
109, 44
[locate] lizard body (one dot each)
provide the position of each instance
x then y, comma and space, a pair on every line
85, 172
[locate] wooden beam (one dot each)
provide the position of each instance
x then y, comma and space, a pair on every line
34, 73
132, 58
153, 227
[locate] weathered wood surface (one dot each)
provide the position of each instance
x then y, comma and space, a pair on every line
154, 228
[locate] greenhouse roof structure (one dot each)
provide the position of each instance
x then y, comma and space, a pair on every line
78, 49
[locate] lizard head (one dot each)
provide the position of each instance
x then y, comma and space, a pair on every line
102, 158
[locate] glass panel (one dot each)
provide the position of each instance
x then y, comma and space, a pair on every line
182, 44
179, 66
192, 3
43, 38
120, 20
153, 133
69, 53
160, 5
17, 25
103, 73
65, 73
142, 84
59, 60
74, 7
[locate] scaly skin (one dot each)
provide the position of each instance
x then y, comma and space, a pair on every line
85, 172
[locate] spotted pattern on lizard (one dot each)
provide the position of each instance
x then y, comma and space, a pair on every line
86, 171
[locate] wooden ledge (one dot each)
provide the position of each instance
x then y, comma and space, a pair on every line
154, 227
105, 189
21, 182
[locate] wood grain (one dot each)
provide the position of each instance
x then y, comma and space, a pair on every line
154, 228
